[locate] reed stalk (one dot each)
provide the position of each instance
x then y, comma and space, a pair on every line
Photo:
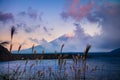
33, 48
4, 43
19, 48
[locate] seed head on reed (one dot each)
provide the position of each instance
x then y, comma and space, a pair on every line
32, 48
61, 48
19, 48
11, 47
13, 31
86, 51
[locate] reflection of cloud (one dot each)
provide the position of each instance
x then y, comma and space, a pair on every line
4, 17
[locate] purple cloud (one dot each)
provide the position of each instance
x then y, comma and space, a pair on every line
109, 16
31, 13
28, 30
23, 13
34, 40
64, 15
4, 17
76, 10
42, 41
40, 16
47, 31
25, 27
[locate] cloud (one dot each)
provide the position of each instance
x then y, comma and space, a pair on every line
23, 13
47, 30
80, 34
76, 10
107, 14
40, 16
31, 13
4, 17
42, 41
109, 17
64, 15
75, 41
34, 40
28, 30
25, 27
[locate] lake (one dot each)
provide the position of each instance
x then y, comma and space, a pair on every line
97, 68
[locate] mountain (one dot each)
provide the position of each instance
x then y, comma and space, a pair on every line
72, 44
47, 46
116, 51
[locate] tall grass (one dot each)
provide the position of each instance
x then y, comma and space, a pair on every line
19, 48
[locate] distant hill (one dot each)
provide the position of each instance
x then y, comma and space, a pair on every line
116, 51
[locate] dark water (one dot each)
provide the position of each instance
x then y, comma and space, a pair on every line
98, 68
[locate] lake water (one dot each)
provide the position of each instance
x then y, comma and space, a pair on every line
99, 68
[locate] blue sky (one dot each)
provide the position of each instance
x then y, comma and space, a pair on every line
36, 20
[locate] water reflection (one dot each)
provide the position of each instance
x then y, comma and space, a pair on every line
95, 68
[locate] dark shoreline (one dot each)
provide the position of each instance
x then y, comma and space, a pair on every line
53, 56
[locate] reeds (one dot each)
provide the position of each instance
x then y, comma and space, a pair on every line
19, 48
61, 48
4, 43
13, 31
86, 51
33, 48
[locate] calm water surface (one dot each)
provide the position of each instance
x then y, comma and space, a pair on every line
100, 68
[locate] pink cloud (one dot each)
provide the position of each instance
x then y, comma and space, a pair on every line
78, 11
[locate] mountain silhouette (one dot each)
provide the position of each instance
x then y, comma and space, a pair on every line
116, 51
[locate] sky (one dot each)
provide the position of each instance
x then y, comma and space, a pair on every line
94, 22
